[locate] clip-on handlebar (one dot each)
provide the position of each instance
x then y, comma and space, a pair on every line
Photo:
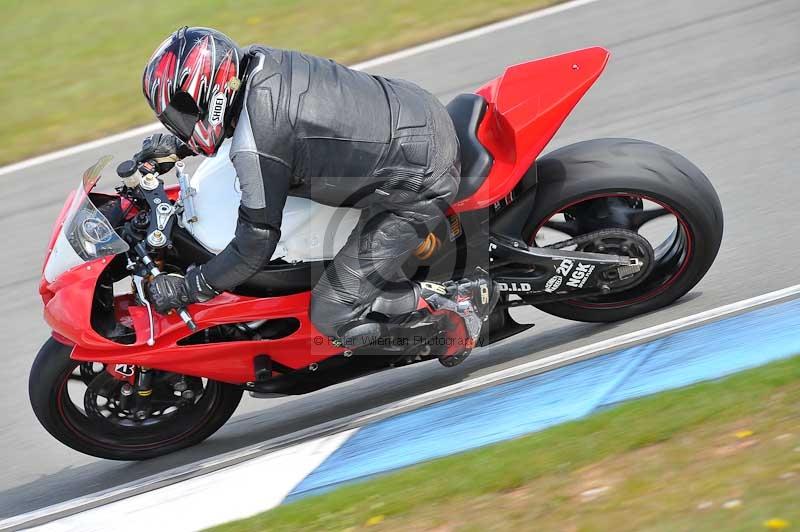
127, 169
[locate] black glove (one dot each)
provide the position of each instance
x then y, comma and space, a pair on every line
165, 150
171, 291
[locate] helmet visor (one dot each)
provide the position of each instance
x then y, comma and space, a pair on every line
181, 115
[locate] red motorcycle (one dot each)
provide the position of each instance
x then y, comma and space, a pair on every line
597, 231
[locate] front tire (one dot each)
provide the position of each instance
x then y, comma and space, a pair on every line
94, 435
630, 171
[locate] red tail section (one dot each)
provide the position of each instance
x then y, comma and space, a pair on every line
527, 105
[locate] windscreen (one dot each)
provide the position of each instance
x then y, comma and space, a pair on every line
86, 234
86, 229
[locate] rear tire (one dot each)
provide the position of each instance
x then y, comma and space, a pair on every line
640, 169
71, 426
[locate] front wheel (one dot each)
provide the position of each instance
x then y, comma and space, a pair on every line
84, 407
636, 186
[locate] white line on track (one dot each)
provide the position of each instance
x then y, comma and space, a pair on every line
382, 60
202, 502
217, 463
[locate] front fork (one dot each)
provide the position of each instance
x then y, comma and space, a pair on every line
144, 390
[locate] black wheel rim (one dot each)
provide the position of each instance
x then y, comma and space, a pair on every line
631, 211
163, 428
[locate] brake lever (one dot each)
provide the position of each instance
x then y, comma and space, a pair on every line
137, 282
153, 270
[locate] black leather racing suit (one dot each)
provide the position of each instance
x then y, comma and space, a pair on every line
313, 128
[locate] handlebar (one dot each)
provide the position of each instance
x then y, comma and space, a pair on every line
154, 271
127, 169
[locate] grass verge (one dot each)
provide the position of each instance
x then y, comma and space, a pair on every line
722, 455
72, 70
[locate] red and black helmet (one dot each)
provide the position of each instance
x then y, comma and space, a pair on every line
191, 82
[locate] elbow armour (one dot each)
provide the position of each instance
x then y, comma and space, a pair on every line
248, 252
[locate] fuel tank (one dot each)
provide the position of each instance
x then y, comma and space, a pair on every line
310, 231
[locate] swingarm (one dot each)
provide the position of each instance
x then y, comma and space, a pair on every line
543, 274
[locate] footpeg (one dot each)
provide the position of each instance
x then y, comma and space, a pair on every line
472, 298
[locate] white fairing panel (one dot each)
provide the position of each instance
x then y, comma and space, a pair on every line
61, 259
310, 231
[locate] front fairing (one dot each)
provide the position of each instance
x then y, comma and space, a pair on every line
83, 234
69, 314
69, 311
70, 295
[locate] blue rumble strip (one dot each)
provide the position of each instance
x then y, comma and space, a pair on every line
534, 403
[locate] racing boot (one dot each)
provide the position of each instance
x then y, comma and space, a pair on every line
469, 301
447, 325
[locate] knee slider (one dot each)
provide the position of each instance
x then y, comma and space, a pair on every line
361, 333
397, 302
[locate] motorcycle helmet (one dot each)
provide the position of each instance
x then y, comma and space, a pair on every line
191, 82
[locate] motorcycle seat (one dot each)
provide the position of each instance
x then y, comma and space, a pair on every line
467, 111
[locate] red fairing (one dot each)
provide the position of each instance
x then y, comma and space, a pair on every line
68, 312
527, 105
68, 306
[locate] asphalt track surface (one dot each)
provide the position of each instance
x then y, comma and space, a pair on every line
717, 80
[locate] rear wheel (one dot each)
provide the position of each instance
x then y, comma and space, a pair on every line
86, 408
634, 186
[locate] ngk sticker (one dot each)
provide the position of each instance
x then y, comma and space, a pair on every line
580, 275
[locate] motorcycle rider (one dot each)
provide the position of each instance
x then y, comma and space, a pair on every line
307, 126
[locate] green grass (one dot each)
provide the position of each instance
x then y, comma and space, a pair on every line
662, 460
72, 68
